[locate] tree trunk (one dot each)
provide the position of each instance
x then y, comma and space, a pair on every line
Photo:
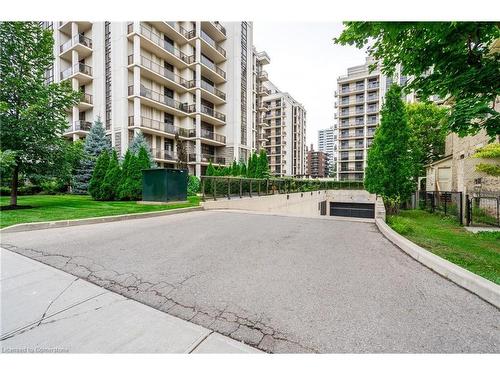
14, 185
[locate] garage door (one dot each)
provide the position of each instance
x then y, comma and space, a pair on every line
349, 209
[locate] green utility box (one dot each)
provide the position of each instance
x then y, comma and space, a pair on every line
164, 184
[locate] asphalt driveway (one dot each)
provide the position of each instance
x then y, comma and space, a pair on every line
282, 284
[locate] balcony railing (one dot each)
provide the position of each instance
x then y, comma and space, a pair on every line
373, 85
372, 109
207, 111
160, 126
207, 134
77, 39
162, 154
158, 69
213, 43
221, 28
207, 158
209, 64
174, 25
159, 98
82, 125
213, 90
158, 40
86, 98
77, 68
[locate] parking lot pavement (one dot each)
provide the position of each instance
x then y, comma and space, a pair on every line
281, 284
45, 310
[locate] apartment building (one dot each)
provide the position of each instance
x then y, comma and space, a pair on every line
185, 84
360, 96
317, 163
327, 143
284, 131
260, 91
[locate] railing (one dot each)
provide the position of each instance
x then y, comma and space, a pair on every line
158, 69
77, 39
159, 125
82, 125
371, 109
209, 64
206, 86
157, 39
373, 85
207, 134
219, 27
160, 98
207, 158
162, 154
77, 68
213, 113
178, 28
213, 187
213, 43
483, 209
446, 202
86, 98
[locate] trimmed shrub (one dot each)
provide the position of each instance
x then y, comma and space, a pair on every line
111, 180
100, 170
193, 185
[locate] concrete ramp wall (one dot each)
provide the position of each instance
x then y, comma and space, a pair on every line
303, 204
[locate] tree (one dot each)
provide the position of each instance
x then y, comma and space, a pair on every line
453, 60
389, 170
235, 169
98, 174
136, 144
32, 113
123, 187
182, 156
243, 169
95, 143
252, 165
489, 152
427, 122
130, 184
263, 168
210, 170
111, 180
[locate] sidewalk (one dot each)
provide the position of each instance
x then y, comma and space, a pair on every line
46, 310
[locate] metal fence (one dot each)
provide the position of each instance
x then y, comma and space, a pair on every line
446, 202
213, 187
483, 210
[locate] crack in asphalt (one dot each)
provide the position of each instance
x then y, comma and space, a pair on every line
239, 326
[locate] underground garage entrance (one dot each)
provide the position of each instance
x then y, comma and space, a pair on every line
351, 209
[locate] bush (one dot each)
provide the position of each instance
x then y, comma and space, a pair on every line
193, 185
111, 179
400, 225
95, 186
4, 190
52, 186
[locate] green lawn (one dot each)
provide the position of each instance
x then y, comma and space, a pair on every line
65, 207
479, 253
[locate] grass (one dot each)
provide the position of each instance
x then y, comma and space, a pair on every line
443, 236
67, 207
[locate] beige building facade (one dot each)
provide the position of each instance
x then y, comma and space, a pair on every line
196, 81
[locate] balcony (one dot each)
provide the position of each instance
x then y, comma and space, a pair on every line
160, 47
82, 126
164, 155
80, 43
208, 114
80, 71
173, 30
263, 76
212, 71
373, 85
214, 29
158, 73
159, 127
85, 102
207, 158
264, 92
208, 91
211, 48
159, 101
209, 137
372, 109
372, 98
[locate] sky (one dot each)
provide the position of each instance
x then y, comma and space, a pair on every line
306, 63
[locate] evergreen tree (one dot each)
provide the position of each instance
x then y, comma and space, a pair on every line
143, 158
235, 169
243, 170
122, 191
138, 142
389, 167
264, 164
95, 143
210, 170
111, 179
100, 170
131, 181
251, 169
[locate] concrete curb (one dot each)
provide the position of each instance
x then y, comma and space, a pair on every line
24, 227
487, 290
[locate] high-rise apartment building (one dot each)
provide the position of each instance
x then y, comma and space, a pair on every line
360, 95
317, 163
284, 130
327, 143
193, 85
